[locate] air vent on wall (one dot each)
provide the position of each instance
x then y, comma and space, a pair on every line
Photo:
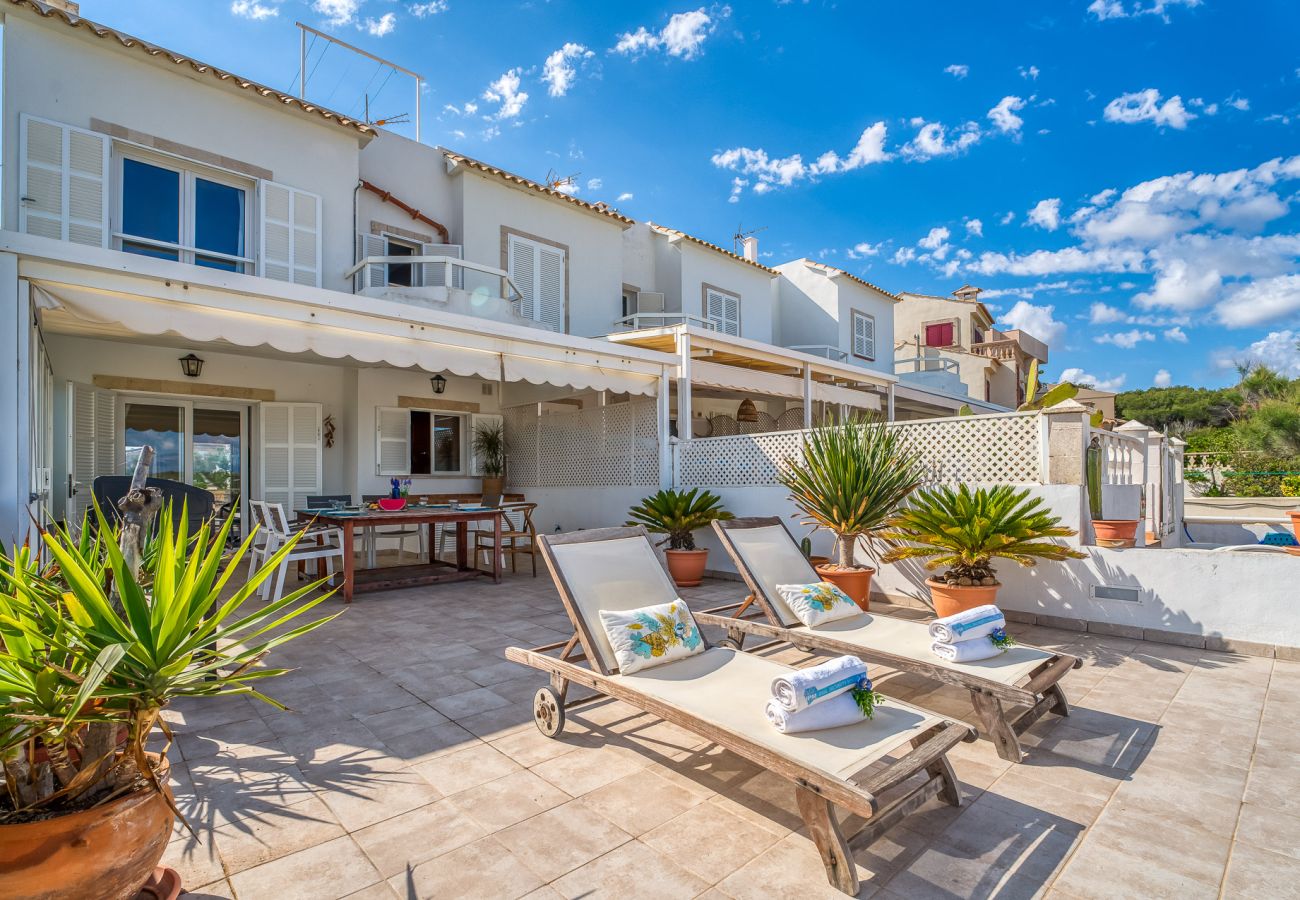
1116, 592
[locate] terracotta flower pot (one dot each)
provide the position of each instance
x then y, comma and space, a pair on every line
816, 561
854, 582
107, 852
495, 485
1121, 531
950, 599
687, 566
1295, 522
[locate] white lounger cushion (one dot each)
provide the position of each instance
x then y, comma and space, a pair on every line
772, 558
731, 689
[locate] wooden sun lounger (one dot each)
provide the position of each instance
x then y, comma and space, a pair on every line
720, 694
766, 554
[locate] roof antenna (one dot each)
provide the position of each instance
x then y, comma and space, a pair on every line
556, 183
395, 119
741, 234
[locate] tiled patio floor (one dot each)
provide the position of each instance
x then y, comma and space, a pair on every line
411, 768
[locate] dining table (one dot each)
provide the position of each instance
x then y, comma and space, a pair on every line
358, 580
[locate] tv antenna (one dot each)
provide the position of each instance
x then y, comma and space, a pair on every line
741, 234
303, 73
554, 181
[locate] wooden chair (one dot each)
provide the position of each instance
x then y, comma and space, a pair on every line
328, 546
518, 536
401, 532
720, 694
766, 555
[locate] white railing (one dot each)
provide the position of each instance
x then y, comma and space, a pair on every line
927, 364
450, 266
640, 320
1123, 457
826, 350
1002, 448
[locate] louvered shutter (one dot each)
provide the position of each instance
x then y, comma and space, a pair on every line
434, 275
392, 441
476, 420
292, 454
375, 275
521, 263
723, 310
550, 288
291, 234
864, 335
61, 182
92, 444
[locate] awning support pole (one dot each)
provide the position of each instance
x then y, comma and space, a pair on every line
665, 435
683, 341
807, 397
889, 417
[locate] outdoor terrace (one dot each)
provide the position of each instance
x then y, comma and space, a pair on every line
411, 768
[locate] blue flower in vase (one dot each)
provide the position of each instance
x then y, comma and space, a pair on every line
396, 492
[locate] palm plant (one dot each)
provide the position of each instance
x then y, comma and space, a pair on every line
966, 530
489, 445
91, 648
678, 514
851, 479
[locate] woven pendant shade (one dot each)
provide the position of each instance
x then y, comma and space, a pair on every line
747, 411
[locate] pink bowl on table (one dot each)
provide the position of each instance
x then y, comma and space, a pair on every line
388, 504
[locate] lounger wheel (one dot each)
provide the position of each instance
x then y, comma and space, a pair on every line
548, 711
729, 644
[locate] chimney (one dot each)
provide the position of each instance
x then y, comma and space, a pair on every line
749, 248
968, 293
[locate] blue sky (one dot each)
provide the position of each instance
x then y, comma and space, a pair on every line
1120, 175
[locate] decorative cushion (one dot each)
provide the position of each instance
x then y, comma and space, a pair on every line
652, 635
818, 602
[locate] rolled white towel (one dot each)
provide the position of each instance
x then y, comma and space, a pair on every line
964, 626
816, 684
966, 651
840, 710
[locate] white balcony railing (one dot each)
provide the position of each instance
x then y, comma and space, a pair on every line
453, 271
826, 350
926, 364
640, 320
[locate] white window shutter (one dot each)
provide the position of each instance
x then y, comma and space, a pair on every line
475, 420
864, 335
723, 310
92, 443
62, 179
375, 275
292, 453
550, 287
392, 441
291, 234
434, 275
521, 263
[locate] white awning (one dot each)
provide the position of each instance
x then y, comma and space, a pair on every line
750, 381
576, 375
89, 311
830, 393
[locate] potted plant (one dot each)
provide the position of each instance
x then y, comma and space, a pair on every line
489, 448
965, 530
850, 480
94, 644
678, 514
1107, 532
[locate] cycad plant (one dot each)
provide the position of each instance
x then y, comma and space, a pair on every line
678, 514
851, 479
966, 530
92, 650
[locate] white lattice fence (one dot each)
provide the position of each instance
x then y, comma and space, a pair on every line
1001, 448
604, 446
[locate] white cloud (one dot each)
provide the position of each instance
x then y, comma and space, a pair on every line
1125, 340
468, 109
903, 256
1114, 9
1144, 106
1277, 350
1058, 262
337, 12
251, 9
1046, 214
1037, 320
1162, 379
595, 184
1176, 334
623, 197
957, 71
932, 140
683, 36
1004, 114
1029, 74
1261, 301
1107, 9
863, 249
505, 91
1239, 103
1026, 292
769, 173
424, 10
381, 26
1079, 376
566, 187
1008, 218
737, 188
559, 70
1103, 197
975, 227
935, 239
1101, 314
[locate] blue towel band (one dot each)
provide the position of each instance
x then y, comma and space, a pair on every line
812, 693
963, 627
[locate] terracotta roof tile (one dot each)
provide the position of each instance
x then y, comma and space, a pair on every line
479, 166
849, 275
672, 232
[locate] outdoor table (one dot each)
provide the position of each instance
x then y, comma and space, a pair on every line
432, 572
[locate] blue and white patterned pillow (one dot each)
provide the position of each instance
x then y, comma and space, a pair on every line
652, 635
818, 602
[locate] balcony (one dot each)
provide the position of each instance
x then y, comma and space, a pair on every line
1010, 346
826, 350
934, 372
443, 283
640, 321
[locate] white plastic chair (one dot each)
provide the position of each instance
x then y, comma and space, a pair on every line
328, 547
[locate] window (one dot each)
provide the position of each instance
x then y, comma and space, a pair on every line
419, 442
170, 212
864, 335
538, 271
403, 274
723, 310
939, 334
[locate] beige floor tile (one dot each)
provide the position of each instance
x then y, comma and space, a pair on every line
428, 743
586, 769
466, 768
381, 797
216, 890
1254, 872
251, 842
1195, 853
630, 872
1269, 829
407, 840
561, 839
512, 798
791, 869
710, 841
483, 868
529, 747
1098, 872
641, 801
333, 869
196, 860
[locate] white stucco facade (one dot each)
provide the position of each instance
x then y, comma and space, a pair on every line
816, 305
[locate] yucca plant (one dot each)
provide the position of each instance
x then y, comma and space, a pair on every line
966, 530
851, 479
678, 514
91, 648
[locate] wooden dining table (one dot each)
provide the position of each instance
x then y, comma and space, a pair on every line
433, 571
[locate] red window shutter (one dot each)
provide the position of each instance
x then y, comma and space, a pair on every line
938, 335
